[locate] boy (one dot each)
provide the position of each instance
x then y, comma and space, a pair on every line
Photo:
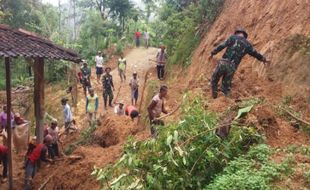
122, 65
92, 103
134, 85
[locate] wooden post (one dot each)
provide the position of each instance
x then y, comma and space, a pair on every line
9, 127
75, 85
38, 97
141, 100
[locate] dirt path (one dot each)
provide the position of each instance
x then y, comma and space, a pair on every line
109, 137
137, 60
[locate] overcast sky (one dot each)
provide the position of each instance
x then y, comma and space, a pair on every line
55, 2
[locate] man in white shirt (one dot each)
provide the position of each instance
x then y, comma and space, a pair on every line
99, 65
53, 130
146, 39
119, 109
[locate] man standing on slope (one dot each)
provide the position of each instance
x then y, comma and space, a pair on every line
86, 72
137, 37
92, 103
156, 107
134, 85
146, 36
107, 83
161, 59
53, 131
122, 65
99, 65
68, 117
237, 47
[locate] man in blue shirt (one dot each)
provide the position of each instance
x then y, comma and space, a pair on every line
68, 118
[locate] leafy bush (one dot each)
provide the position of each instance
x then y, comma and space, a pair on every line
253, 171
86, 139
185, 24
119, 48
56, 71
186, 155
307, 176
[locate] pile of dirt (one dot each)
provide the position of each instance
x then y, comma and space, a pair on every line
106, 137
107, 147
279, 31
266, 121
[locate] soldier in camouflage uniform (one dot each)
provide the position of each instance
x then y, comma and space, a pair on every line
107, 83
237, 47
86, 72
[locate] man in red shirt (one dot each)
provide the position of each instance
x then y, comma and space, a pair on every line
38, 153
4, 161
131, 111
137, 35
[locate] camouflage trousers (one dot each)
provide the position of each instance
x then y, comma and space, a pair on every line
225, 70
107, 93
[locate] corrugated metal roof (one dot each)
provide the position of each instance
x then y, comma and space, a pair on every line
22, 43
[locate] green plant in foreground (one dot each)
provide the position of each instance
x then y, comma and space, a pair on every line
307, 176
86, 138
253, 171
186, 155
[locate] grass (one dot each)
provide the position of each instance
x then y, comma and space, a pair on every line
253, 171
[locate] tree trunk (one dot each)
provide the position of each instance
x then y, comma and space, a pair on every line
74, 19
75, 86
59, 15
123, 25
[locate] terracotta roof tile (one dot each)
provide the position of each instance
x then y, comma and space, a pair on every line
22, 43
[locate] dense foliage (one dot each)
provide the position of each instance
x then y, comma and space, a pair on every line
186, 155
180, 25
253, 171
89, 26
83, 25
40, 18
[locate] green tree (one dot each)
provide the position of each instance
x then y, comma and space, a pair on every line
20, 13
150, 7
120, 10
99, 5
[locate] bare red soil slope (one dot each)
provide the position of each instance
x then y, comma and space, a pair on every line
280, 30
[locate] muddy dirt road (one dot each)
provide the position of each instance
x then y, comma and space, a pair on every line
110, 135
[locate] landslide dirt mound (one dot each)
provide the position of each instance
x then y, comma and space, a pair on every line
281, 32
114, 130
107, 140
106, 134
107, 146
